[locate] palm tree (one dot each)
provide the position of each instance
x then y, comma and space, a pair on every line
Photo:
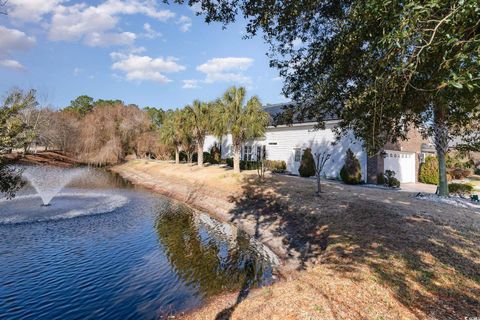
200, 119
185, 127
245, 122
170, 131
219, 121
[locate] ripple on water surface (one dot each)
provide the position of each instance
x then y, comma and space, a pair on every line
146, 258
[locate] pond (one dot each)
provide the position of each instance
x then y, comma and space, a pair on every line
139, 256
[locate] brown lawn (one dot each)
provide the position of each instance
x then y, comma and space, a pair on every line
352, 253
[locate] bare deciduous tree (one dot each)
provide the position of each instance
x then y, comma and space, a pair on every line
320, 159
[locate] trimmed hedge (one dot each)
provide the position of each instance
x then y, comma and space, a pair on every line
307, 165
351, 172
277, 166
460, 189
244, 165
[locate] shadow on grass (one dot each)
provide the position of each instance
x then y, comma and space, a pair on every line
431, 267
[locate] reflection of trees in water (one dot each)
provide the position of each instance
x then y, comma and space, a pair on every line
203, 259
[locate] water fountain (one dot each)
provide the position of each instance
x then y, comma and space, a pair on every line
49, 202
49, 181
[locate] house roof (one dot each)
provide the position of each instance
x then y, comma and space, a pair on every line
287, 114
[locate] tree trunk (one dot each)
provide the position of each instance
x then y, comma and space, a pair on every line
200, 153
236, 159
319, 187
177, 156
220, 146
441, 145
442, 172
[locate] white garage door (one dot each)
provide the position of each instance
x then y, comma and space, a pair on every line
403, 163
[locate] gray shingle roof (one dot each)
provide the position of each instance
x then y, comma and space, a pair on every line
287, 113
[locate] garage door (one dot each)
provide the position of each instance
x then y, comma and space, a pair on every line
403, 163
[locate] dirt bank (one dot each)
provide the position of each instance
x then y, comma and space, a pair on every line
352, 253
52, 158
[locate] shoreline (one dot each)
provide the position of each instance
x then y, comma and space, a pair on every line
216, 206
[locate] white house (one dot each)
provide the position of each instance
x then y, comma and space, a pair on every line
287, 143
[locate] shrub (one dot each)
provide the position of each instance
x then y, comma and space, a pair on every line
277, 166
429, 171
390, 180
477, 171
460, 189
206, 157
183, 156
351, 172
244, 165
458, 173
215, 156
307, 164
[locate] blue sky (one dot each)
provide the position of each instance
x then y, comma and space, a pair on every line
139, 51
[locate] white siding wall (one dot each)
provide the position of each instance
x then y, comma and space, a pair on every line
227, 151
289, 138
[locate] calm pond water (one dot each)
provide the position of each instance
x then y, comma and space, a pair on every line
146, 258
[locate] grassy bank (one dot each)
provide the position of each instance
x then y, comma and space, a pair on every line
352, 253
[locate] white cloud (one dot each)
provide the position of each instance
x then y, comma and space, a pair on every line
185, 23
30, 10
98, 39
228, 69
94, 25
150, 33
11, 41
14, 40
190, 84
139, 68
12, 64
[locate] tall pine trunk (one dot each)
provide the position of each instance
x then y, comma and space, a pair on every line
236, 158
441, 145
200, 153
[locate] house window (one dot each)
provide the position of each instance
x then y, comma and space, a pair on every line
298, 154
259, 153
247, 153
272, 143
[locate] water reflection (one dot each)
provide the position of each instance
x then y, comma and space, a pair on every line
208, 255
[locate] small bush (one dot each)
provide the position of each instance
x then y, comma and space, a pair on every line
459, 173
460, 189
477, 171
244, 165
206, 157
351, 172
183, 156
215, 156
429, 171
307, 164
390, 180
277, 166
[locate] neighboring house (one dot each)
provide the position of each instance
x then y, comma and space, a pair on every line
403, 157
287, 143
